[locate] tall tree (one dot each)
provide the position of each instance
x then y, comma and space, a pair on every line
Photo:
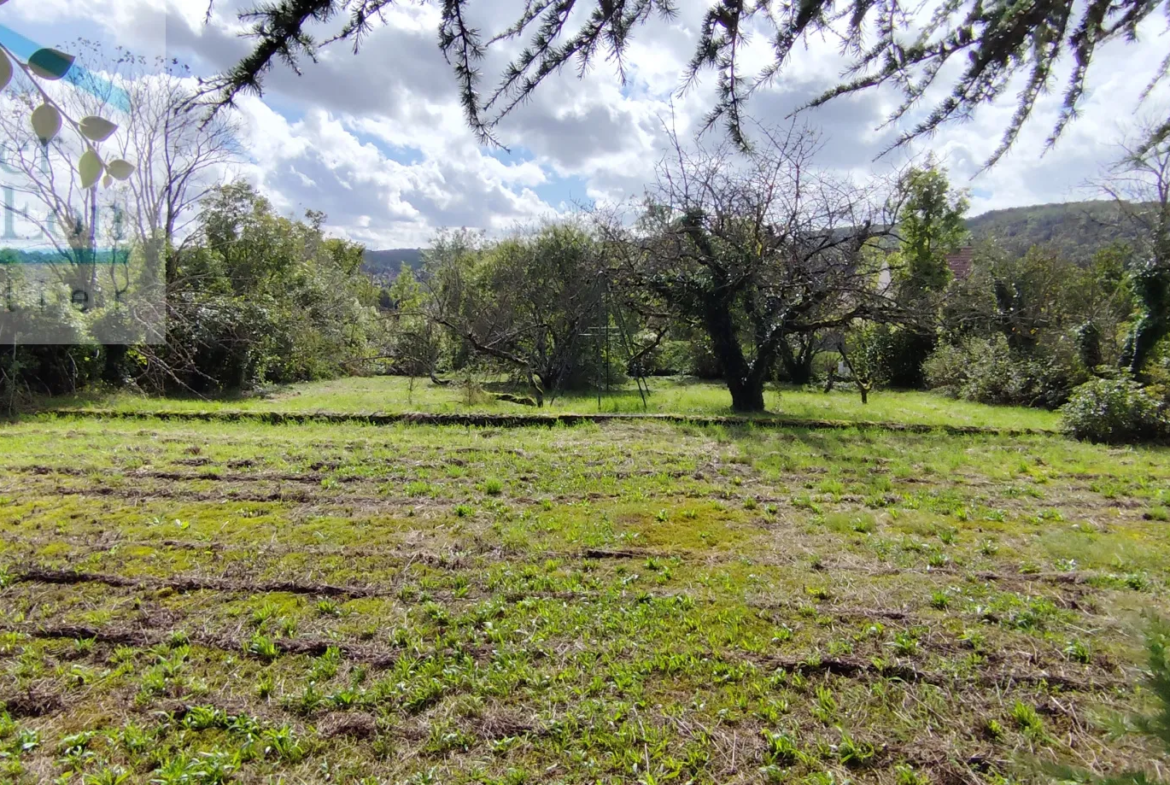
756, 250
1140, 184
266, 299
985, 44
931, 226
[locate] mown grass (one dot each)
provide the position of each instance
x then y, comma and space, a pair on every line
667, 395
627, 602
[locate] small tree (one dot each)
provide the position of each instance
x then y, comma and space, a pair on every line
524, 302
414, 347
860, 350
931, 227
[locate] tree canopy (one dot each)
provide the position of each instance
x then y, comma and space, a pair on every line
987, 43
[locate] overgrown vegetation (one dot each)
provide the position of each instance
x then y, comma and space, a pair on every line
753, 267
219, 602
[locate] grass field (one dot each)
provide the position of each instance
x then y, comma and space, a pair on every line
196, 603
667, 395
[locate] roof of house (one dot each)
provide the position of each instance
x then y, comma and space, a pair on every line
959, 262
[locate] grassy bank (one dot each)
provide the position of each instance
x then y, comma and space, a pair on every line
675, 396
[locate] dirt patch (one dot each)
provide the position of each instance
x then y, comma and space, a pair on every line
35, 701
358, 725
502, 724
186, 584
856, 669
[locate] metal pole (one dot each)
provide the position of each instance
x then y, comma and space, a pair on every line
605, 301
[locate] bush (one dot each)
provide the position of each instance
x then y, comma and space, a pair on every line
989, 371
1115, 411
903, 353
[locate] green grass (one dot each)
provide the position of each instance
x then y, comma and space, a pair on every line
624, 602
678, 396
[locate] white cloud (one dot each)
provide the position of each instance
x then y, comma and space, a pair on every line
378, 140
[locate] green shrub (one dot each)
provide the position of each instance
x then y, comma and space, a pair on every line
903, 352
988, 370
1114, 411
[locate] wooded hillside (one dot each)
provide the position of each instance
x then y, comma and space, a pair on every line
1076, 229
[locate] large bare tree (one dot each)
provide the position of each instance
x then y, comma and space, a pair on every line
757, 250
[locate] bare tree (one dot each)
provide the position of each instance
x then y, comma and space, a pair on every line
757, 249
181, 157
1140, 185
178, 159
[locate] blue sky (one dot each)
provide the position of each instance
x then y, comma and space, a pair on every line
378, 140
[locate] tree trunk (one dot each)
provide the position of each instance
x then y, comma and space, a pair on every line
797, 366
864, 394
798, 370
747, 395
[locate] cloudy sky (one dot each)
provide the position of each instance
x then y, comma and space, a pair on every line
377, 140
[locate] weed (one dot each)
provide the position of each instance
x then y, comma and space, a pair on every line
905, 643
1028, 721
265, 613
177, 770
263, 647
114, 775
818, 593
825, 709
852, 753
283, 744
27, 740
204, 718
264, 686
906, 775
781, 750
325, 667
1078, 651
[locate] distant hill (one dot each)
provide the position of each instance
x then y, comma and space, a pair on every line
1076, 229
388, 263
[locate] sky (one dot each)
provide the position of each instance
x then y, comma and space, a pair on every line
377, 140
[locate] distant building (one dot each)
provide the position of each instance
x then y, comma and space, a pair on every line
960, 262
